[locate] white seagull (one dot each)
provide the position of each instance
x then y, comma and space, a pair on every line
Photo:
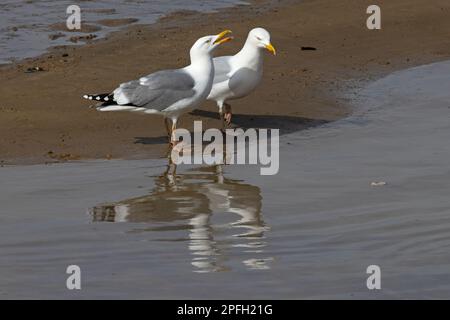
237, 76
169, 93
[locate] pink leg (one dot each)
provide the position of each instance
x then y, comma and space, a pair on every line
227, 114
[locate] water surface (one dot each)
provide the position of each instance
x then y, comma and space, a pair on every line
25, 26
138, 231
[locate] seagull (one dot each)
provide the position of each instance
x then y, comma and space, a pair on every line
169, 93
237, 76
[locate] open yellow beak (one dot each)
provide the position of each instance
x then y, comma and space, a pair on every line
222, 37
271, 49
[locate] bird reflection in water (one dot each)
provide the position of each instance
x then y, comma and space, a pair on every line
189, 201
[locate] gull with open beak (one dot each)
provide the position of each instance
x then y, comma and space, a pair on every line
169, 93
237, 76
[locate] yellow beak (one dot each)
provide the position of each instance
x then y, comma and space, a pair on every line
222, 38
271, 49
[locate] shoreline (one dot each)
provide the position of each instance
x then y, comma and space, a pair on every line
30, 28
45, 120
229, 232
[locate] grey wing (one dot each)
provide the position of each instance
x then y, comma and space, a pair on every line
222, 68
156, 91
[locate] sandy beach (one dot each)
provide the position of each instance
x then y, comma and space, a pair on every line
366, 184
371, 189
44, 119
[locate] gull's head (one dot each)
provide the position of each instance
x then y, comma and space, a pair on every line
206, 45
260, 38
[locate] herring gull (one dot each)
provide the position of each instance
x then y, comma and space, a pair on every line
169, 93
237, 76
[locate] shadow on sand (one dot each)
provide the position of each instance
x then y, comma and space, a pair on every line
286, 124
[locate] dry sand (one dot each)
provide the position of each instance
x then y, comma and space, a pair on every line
43, 117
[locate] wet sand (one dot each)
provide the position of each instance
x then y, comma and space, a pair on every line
44, 119
28, 28
308, 232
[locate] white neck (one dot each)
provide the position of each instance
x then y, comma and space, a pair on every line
251, 55
203, 64
199, 57
203, 68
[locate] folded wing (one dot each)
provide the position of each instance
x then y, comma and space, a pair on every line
156, 91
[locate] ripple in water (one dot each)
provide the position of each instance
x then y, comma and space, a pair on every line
188, 203
25, 26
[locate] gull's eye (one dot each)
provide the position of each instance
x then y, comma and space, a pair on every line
208, 41
259, 39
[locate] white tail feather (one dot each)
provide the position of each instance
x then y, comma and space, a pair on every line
116, 108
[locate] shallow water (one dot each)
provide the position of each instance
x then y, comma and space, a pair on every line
308, 232
25, 25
